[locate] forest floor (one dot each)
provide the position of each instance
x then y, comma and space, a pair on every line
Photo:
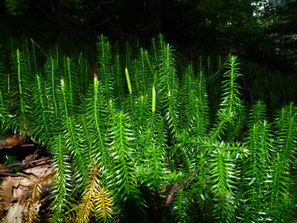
25, 186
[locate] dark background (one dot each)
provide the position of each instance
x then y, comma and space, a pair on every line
262, 33
241, 27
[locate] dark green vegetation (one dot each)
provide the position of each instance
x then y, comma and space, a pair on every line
123, 131
261, 30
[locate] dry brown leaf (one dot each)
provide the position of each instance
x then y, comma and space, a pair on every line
15, 213
6, 191
40, 171
11, 141
14, 188
23, 187
20, 189
47, 181
30, 158
18, 201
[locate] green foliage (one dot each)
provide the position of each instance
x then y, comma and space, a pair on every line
62, 186
96, 116
72, 132
168, 88
122, 181
143, 120
4, 115
152, 153
231, 107
256, 171
181, 207
14, 7
21, 79
223, 180
287, 132
43, 125
257, 113
195, 103
105, 67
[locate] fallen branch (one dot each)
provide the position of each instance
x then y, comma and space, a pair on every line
176, 188
6, 170
13, 174
38, 162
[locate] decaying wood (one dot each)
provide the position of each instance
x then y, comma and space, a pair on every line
176, 188
11, 141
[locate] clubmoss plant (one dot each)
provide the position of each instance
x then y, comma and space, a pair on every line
137, 126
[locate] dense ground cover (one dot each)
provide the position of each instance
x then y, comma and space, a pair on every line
135, 137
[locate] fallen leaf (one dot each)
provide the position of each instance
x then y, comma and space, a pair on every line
11, 141
6, 191
40, 171
15, 213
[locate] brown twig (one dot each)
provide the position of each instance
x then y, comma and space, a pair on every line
5, 170
176, 188
13, 175
38, 162
27, 145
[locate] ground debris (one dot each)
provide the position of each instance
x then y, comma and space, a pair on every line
11, 141
23, 193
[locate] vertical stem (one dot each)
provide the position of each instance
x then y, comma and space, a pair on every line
153, 99
86, 75
64, 98
129, 86
53, 85
143, 71
28, 57
42, 105
8, 83
118, 76
19, 80
69, 77
128, 81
